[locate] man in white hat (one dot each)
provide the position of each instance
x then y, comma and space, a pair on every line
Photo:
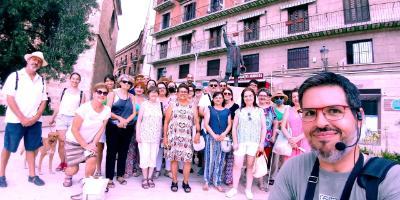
26, 97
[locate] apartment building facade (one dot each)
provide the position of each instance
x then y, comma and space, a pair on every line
129, 60
284, 42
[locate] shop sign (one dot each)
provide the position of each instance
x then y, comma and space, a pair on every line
391, 105
249, 76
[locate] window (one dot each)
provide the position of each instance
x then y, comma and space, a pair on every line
359, 52
161, 72
163, 49
298, 58
215, 37
216, 5
213, 67
186, 43
183, 71
356, 11
298, 19
251, 29
189, 12
165, 21
251, 62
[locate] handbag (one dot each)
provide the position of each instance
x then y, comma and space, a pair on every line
260, 168
282, 146
94, 188
226, 145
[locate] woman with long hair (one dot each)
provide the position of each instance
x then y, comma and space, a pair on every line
218, 124
71, 98
292, 119
248, 133
232, 106
178, 130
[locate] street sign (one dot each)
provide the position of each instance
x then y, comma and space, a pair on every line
249, 76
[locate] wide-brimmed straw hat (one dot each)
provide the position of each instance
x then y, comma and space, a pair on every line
37, 54
280, 94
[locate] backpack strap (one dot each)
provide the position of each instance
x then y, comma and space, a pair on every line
16, 80
42, 83
80, 97
373, 173
62, 94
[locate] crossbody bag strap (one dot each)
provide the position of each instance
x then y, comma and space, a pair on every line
314, 178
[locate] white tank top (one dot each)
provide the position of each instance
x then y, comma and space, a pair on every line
69, 103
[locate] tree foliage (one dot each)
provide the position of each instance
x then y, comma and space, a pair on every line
58, 28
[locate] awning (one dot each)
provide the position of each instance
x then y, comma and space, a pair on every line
186, 33
297, 3
251, 15
214, 25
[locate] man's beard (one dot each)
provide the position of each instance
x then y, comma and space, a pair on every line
333, 155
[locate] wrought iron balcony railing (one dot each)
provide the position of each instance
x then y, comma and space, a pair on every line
316, 24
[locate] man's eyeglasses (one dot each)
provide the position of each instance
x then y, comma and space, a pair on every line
227, 93
126, 82
99, 92
213, 85
331, 113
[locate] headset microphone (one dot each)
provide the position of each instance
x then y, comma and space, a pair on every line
340, 146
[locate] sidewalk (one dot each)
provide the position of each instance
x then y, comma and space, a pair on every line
20, 189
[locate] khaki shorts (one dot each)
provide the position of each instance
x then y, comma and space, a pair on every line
63, 122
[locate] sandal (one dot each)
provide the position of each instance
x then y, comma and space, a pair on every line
97, 174
110, 185
151, 183
67, 181
121, 180
156, 175
186, 187
220, 189
174, 186
145, 184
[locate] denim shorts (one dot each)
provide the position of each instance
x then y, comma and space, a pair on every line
15, 132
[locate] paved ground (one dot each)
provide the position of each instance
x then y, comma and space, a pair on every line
20, 189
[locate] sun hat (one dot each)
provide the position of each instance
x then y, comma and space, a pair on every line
37, 54
279, 93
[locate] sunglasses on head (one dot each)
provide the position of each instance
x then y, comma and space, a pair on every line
213, 85
99, 92
126, 82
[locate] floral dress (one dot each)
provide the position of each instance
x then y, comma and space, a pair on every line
180, 130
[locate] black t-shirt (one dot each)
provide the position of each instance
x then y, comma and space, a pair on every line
234, 107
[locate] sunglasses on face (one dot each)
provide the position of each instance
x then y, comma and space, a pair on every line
99, 92
222, 85
227, 93
126, 82
279, 97
213, 85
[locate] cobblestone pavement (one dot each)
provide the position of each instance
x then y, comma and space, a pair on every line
20, 189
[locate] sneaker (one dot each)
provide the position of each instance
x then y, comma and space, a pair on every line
36, 180
231, 193
249, 194
3, 182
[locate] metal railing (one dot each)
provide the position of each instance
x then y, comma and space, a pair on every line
198, 13
386, 12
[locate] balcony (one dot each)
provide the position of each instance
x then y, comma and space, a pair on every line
160, 5
385, 15
206, 14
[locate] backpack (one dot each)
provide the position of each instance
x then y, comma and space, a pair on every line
373, 173
17, 80
80, 96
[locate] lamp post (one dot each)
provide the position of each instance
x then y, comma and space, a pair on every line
324, 57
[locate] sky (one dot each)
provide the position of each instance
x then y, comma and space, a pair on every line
132, 20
